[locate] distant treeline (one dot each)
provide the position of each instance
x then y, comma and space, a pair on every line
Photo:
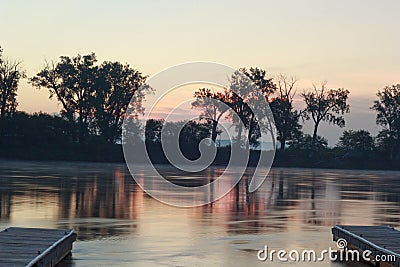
94, 100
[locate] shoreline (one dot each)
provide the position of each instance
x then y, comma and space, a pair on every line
278, 163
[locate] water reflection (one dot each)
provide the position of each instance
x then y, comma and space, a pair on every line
293, 208
68, 192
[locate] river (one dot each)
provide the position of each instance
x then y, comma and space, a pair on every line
120, 225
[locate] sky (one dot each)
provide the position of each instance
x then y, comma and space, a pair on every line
351, 44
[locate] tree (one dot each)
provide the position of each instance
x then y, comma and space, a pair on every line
153, 131
356, 141
306, 142
190, 132
72, 82
249, 88
388, 115
326, 105
94, 98
189, 135
286, 118
193, 133
214, 106
240, 113
266, 88
37, 130
10, 75
259, 78
115, 86
132, 131
384, 143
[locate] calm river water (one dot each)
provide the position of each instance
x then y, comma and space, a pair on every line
119, 225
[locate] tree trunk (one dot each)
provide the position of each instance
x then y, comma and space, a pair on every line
214, 127
3, 105
315, 134
80, 126
214, 131
239, 137
283, 143
248, 138
396, 149
252, 124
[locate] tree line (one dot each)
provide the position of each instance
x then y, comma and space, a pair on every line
94, 99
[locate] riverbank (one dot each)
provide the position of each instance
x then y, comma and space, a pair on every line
329, 158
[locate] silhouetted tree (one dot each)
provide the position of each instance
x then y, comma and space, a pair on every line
193, 132
359, 141
384, 142
10, 75
37, 129
240, 113
259, 78
190, 135
326, 105
72, 81
94, 98
266, 88
249, 89
132, 130
213, 105
308, 143
286, 118
153, 131
388, 115
116, 85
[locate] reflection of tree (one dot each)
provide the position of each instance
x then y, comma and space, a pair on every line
253, 210
321, 203
246, 212
101, 200
94, 193
5, 204
287, 199
105, 195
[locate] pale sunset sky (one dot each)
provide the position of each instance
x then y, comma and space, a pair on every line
352, 44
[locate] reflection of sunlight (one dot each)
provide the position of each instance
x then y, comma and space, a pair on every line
175, 228
37, 210
358, 213
293, 209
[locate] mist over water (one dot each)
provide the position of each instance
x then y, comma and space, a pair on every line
119, 225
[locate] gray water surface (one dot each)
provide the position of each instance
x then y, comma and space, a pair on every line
119, 225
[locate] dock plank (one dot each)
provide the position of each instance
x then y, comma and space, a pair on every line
34, 246
381, 240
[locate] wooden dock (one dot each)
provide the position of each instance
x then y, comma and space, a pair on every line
380, 240
34, 247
